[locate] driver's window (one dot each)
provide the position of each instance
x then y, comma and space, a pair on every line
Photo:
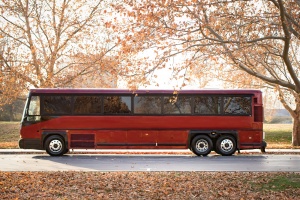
34, 109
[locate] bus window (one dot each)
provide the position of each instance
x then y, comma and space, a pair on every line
147, 105
87, 105
237, 105
34, 109
177, 105
207, 105
57, 105
117, 104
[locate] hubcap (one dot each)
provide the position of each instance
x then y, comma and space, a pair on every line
226, 145
55, 145
202, 145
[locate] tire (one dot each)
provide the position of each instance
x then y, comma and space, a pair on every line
216, 150
226, 145
201, 145
55, 145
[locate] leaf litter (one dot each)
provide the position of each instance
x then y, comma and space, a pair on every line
143, 185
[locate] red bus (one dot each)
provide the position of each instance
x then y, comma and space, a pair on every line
223, 121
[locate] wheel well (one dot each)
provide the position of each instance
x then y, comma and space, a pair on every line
47, 134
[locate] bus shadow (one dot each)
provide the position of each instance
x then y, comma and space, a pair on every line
140, 162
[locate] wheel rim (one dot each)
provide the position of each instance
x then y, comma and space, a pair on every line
202, 145
55, 146
226, 145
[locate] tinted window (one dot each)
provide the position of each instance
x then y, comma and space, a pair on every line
87, 104
177, 105
147, 104
57, 104
237, 105
117, 104
207, 105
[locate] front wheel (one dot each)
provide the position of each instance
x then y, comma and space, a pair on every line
226, 145
201, 145
55, 145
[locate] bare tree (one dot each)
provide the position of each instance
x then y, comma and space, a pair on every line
258, 38
41, 41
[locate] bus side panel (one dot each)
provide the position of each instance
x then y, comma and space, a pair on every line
141, 138
173, 138
149, 122
111, 139
161, 131
250, 139
31, 137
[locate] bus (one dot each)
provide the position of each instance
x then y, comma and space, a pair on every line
223, 121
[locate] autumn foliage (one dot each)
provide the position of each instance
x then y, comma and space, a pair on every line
53, 44
145, 185
95, 43
249, 43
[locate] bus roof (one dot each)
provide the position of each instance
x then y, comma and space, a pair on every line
143, 91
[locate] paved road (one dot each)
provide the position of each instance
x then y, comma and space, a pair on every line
149, 162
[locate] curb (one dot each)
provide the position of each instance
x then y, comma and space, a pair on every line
137, 151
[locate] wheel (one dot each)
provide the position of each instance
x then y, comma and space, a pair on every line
226, 145
201, 145
55, 145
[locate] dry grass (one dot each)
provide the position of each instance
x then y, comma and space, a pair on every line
9, 135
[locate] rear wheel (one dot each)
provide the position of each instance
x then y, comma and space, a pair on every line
226, 145
201, 145
55, 145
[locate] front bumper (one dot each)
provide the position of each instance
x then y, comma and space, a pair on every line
30, 143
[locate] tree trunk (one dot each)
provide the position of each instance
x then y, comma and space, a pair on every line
296, 127
11, 112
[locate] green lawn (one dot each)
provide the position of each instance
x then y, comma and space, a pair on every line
278, 135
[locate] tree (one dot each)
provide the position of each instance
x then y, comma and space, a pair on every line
41, 40
257, 38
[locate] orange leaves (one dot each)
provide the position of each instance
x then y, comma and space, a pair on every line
108, 24
140, 185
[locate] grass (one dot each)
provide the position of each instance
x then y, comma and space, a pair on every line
283, 182
277, 135
9, 134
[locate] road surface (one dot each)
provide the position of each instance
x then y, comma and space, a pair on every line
149, 162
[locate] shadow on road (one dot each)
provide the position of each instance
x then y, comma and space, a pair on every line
154, 162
